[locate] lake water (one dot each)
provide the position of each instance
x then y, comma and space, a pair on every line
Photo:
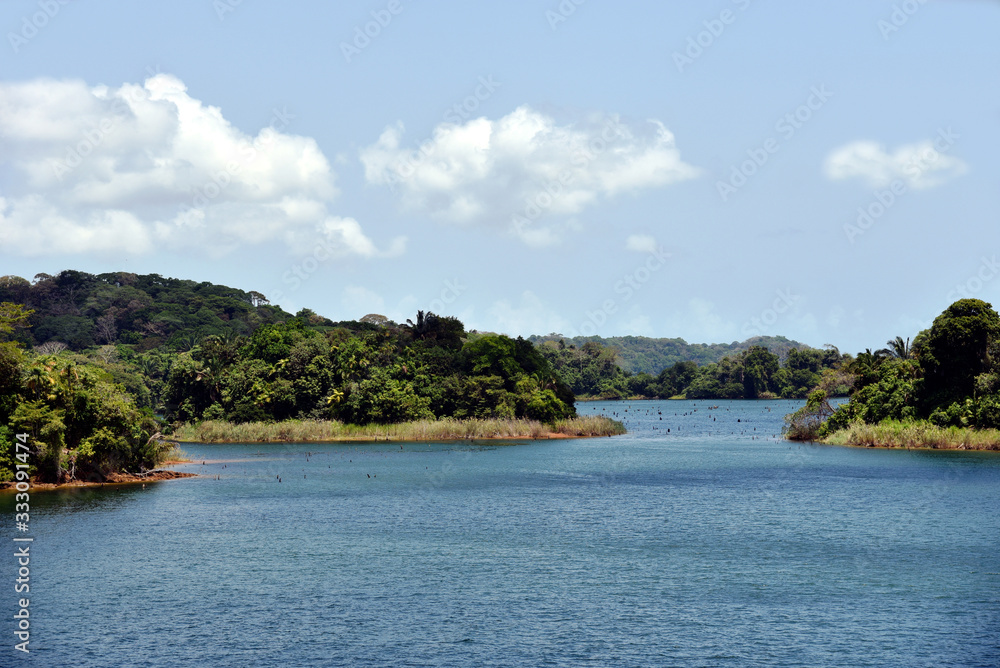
711, 544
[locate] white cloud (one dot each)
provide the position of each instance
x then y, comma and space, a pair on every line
921, 165
524, 167
129, 169
641, 243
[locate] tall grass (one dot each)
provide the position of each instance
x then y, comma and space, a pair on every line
893, 434
214, 431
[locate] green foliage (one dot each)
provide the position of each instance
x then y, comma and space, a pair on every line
640, 354
950, 375
594, 371
13, 315
956, 352
363, 373
81, 422
8, 450
805, 424
82, 310
47, 430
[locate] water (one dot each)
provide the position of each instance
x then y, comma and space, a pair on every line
713, 544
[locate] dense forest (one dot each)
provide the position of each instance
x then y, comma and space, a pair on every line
949, 376
641, 354
95, 366
593, 371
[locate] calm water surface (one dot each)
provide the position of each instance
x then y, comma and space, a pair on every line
698, 539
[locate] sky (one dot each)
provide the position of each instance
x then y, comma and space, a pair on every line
711, 171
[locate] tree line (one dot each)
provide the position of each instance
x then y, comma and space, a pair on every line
593, 371
170, 352
948, 376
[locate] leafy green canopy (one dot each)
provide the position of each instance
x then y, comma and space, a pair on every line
360, 375
950, 375
594, 371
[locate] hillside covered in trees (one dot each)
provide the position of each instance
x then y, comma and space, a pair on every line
593, 371
641, 354
94, 366
81, 310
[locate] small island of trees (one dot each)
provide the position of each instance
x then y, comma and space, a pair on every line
202, 362
940, 391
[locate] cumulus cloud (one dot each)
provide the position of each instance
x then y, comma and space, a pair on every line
924, 164
139, 167
524, 172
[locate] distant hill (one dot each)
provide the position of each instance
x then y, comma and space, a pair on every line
81, 310
641, 354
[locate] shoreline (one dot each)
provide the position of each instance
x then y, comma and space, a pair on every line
115, 479
915, 436
320, 431
922, 448
554, 436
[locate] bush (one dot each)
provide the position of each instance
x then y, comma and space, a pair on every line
805, 423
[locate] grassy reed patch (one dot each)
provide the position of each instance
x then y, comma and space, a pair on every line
215, 431
893, 434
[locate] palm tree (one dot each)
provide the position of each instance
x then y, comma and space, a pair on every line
897, 349
424, 325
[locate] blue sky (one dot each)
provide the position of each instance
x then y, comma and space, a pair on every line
824, 171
